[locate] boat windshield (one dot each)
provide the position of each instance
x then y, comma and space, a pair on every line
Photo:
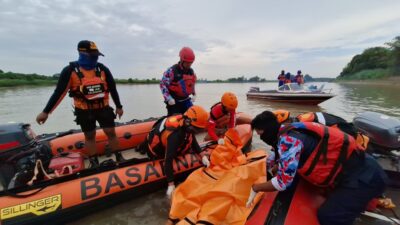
291, 87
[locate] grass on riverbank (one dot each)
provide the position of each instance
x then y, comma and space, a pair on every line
10, 79
385, 80
24, 82
137, 81
373, 74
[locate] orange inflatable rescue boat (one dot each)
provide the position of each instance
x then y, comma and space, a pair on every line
45, 179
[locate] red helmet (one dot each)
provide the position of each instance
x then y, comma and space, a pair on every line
186, 54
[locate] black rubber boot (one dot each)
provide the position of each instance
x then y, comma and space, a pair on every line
94, 162
108, 150
119, 157
142, 147
142, 151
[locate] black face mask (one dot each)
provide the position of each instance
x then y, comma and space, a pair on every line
270, 137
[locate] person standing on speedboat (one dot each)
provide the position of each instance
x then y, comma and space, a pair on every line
281, 78
299, 78
178, 84
288, 78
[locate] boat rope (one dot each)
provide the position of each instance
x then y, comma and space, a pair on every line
23, 195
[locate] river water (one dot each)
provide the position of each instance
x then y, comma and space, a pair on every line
22, 104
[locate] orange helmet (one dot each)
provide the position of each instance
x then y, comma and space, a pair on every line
186, 54
229, 100
198, 116
281, 115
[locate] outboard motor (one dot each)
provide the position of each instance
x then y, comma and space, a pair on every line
384, 134
14, 138
19, 151
383, 130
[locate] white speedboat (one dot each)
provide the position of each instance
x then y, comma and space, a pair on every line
293, 93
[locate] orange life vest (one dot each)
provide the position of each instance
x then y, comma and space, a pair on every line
88, 87
317, 117
218, 111
182, 83
281, 77
299, 79
333, 121
326, 161
158, 136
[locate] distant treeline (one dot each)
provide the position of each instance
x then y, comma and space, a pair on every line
137, 81
10, 79
241, 79
375, 62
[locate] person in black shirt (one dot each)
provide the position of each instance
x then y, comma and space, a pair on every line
89, 83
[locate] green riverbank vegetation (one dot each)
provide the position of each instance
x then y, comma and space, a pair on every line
10, 79
374, 63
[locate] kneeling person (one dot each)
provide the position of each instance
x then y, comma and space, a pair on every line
173, 136
222, 114
326, 157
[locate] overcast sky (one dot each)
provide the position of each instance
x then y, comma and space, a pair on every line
141, 39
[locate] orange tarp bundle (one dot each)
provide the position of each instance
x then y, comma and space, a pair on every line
229, 155
218, 194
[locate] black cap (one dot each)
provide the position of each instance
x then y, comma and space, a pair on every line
89, 47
